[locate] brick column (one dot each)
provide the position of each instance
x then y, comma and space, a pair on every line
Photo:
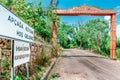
54, 37
54, 30
113, 36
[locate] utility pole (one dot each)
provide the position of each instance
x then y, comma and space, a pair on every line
54, 3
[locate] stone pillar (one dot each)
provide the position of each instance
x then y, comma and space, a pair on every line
54, 37
113, 37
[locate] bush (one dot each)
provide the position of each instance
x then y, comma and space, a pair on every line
118, 53
43, 58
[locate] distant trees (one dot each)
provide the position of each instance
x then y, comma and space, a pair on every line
65, 33
94, 35
90, 35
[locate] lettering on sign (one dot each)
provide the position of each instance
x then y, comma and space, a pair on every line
15, 22
21, 52
13, 27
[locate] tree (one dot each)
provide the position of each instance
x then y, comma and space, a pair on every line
65, 30
93, 34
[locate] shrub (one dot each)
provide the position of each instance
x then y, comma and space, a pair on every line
118, 53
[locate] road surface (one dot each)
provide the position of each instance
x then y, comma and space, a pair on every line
83, 65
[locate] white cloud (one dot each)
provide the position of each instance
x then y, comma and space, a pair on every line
118, 10
107, 18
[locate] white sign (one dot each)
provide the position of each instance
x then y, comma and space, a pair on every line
21, 53
13, 27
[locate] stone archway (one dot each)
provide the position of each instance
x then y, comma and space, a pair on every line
93, 11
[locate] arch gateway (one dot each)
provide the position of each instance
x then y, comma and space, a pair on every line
93, 11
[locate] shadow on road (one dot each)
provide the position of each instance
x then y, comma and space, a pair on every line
82, 56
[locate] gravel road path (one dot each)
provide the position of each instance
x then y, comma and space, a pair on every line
83, 65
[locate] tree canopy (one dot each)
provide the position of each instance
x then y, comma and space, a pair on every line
92, 34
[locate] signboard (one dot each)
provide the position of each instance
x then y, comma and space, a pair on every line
13, 27
21, 53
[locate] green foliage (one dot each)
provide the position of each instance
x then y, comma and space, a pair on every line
118, 53
5, 76
19, 77
118, 48
8, 2
64, 31
36, 17
43, 58
91, 35
53, 76
118, 43
94, 35
5, 63
73, 44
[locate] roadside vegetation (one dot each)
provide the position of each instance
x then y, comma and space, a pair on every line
118, 48
92, 35
41, 20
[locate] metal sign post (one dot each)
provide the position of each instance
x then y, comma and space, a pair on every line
27, 70
12, 69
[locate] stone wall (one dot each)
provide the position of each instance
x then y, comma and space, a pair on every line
37, 49
5, 58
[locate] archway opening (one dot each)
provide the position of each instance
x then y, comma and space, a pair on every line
93, 11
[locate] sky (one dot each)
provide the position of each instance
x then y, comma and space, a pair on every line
103, 4
110, 4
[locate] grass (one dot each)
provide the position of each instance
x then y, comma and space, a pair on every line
53, 76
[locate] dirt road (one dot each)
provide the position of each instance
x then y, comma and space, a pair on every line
83, 65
